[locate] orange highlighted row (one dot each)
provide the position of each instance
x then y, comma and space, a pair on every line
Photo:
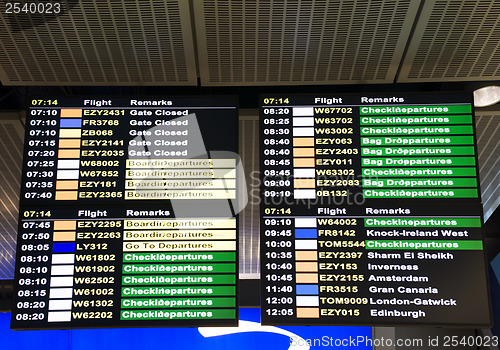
303, 152
308, 255
307, 312
62, 185
306, 267
303, 162
67, 185
66, 195
69, 143
69, 148
303, 141
61, 225
69, 153
304, 183
71, 113
64, 236
306, 278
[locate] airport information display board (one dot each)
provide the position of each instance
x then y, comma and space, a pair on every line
125, 213
371, 211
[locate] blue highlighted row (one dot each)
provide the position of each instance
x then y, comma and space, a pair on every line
307, 289
71, 123
63, 247
306, 233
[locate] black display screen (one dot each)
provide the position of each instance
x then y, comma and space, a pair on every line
371, 211
125, 213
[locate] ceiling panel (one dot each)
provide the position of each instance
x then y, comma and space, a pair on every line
454, 40
281, 42
100, 42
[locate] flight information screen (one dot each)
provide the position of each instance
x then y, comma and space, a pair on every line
371, 211
126, 213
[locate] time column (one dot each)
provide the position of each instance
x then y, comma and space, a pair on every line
276, 151
41, 151
33, 266
277, 241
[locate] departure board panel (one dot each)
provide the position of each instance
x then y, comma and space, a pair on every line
371, 211
126, 213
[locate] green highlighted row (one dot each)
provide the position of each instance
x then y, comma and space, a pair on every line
420, 120
408, 110
412, 183
177, 315
179, 257
131, 292
419, 161
424, 193
405, 172
178, 279
423, 222
416, 130
179, 268
177, 302
418, 151
425, 245
418, 141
